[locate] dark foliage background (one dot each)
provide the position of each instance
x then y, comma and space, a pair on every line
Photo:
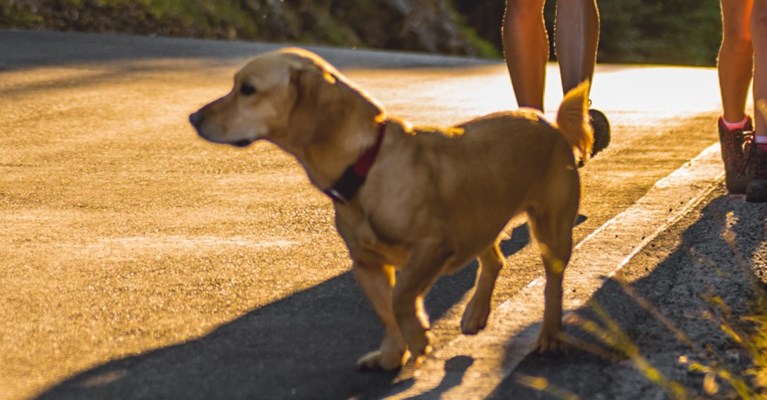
684, 32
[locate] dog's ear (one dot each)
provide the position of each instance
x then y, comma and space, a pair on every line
318, 105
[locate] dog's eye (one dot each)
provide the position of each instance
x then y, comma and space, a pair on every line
247, 89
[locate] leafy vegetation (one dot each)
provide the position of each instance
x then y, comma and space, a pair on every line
429, 25
683, 32
686, 32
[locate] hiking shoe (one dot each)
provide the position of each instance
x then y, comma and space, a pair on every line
732, 143
756, 172
601, 128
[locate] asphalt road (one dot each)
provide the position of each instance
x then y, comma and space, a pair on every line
139, 262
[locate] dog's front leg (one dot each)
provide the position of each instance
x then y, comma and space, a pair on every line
424, 265
377, 280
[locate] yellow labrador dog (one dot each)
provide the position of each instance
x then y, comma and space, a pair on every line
423, 201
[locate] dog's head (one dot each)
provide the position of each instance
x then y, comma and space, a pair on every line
291, 97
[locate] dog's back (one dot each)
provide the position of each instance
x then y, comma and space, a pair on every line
501, 153
485, 171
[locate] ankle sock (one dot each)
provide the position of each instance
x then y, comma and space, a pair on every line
761, 142
760, 139
734, 126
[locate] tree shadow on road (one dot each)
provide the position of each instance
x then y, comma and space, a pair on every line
714, 259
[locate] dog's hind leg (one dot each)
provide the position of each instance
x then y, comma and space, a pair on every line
377, 282
553, 234
477, 311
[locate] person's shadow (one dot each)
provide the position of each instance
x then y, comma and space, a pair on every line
713, 261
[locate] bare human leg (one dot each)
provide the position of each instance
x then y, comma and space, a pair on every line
577, 38
735, 62
526, 50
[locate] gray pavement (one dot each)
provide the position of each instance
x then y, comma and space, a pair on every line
139, 262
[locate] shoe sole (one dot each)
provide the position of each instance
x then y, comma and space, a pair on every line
601, 128
757, 191
735, 183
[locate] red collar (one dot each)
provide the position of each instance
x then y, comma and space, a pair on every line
346, 187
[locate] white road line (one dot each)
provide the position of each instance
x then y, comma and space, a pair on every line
495, 353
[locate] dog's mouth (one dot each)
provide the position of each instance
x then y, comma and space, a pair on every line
236, 143
242, 143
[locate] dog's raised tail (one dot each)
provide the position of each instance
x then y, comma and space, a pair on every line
573, 121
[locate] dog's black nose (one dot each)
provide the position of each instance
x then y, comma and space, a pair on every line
196, 119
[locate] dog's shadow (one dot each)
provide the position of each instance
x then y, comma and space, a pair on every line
303, 346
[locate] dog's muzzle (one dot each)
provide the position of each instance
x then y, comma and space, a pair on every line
197, 119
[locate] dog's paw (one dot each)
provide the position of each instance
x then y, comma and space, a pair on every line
550, 344
419, 344
417, 359
378, 361
474, 318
